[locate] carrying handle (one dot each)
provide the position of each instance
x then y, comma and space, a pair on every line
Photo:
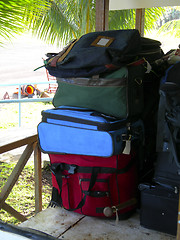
57, 170
74, 109
108, 117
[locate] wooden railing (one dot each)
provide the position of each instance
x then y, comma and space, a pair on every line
32, 146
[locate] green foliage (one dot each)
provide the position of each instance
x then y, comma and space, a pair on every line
65, 20
125, 19
121, 19
22, 196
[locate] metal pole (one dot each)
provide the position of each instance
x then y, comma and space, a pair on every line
19, 97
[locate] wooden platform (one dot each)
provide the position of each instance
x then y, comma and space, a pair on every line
67, 225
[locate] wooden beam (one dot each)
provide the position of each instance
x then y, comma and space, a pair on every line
102, 10
140, 14
18, 143
178, 222
13, 212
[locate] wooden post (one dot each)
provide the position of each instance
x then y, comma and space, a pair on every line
37, 179
140, 13
178, 222
102, 10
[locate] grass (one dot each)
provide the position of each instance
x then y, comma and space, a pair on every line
30, 114
22, 196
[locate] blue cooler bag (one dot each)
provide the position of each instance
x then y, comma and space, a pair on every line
73, 130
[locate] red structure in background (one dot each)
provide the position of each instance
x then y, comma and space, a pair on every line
52, 86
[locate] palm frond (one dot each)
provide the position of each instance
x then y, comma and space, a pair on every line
12, 16
151, 17
63, 21
171, 28
54, 23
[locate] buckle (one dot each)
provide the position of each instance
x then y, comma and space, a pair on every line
54, 168
72, 169
126, 137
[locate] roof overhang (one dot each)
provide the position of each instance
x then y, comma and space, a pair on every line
133, 4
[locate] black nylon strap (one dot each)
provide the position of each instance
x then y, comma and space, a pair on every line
95, 194
160, 122
78, 169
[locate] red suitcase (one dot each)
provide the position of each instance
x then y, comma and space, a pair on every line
95, 186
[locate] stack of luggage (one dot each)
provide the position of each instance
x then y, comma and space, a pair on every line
160, 199
101, 133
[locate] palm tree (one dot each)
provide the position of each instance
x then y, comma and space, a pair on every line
171, 26
14, 15
62, 20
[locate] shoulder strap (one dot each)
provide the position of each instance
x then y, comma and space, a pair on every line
160, 122
61, 55
173, 146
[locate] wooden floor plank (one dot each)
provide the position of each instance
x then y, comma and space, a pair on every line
92, 228
53, 221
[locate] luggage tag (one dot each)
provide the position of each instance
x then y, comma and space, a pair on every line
127, 139
127, 148
102, 41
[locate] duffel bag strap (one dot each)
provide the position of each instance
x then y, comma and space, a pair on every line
161, 122
173, 146
57, 170
61, 55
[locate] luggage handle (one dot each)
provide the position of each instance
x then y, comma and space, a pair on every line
74, 109
98, 114
169, 187
57, 171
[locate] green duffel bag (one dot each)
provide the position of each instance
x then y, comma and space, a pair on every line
119, 94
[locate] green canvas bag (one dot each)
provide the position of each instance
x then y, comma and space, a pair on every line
119, 94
